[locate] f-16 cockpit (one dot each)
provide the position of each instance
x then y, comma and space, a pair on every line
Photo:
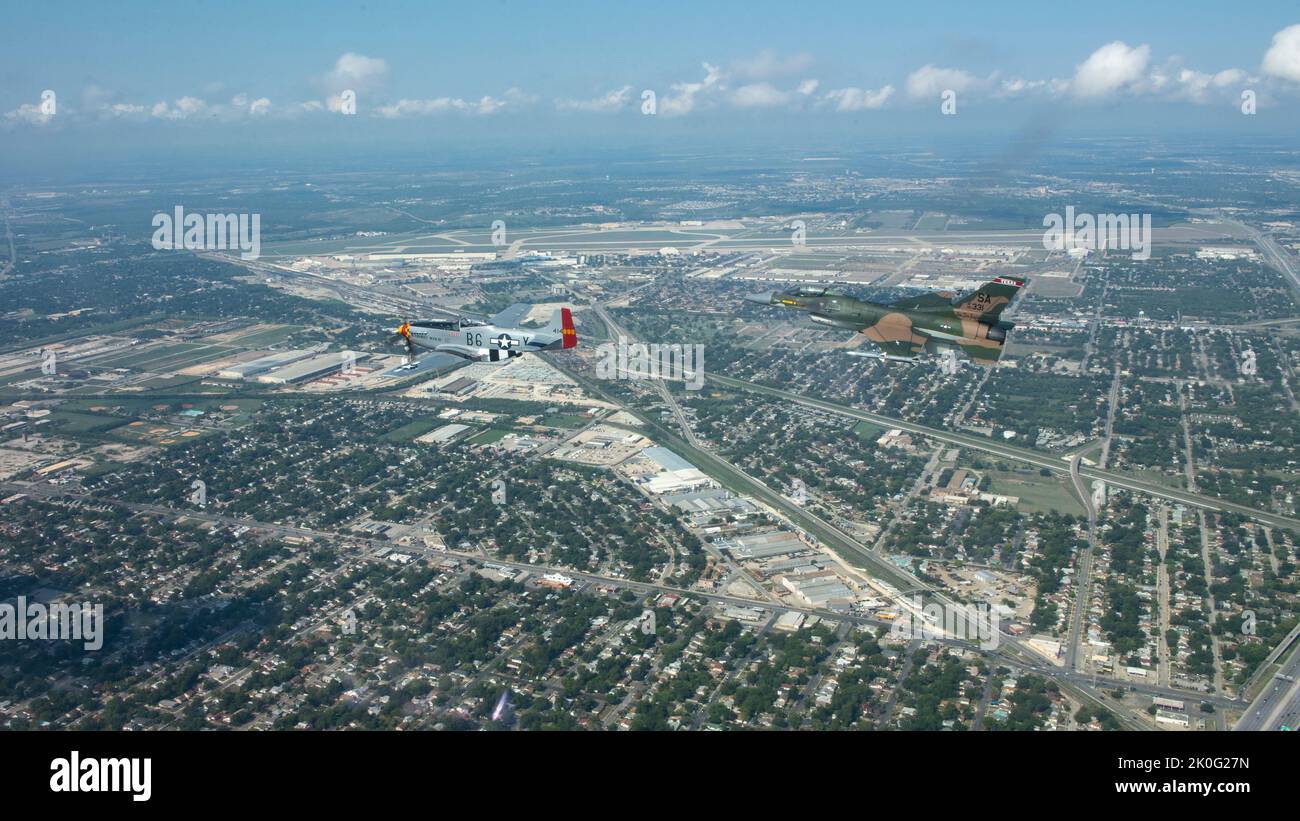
808, 290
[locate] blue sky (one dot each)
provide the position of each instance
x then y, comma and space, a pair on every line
135, 74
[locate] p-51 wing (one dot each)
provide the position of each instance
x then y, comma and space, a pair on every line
476, 354
511, 317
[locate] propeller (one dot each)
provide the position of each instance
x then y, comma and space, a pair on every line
403, 333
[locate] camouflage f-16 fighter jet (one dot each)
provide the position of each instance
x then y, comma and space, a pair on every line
491, 340
929, 323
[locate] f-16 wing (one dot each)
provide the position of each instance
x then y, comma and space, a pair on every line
848, 324
897, 350
933, 301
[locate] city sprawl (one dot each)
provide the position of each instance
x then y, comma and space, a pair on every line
291, 522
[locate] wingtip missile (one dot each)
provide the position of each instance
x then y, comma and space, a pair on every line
873, 355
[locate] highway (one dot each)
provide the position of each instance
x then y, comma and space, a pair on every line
1053, 463
1278, 706
1082, 592
1278, 703
1276, 255
617, 331
1010, 650
9, 240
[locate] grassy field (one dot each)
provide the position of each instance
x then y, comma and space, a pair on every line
1091, 450
265, 336
1038, 494
73, 423
100, 468
932, 222
191, 383
144, 404
1155, 477
414, 428
20, 376
488, 437
868, 431
564, 420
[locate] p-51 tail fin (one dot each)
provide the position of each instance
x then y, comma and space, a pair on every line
562, 323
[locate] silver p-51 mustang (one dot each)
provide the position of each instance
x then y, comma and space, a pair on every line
492, 340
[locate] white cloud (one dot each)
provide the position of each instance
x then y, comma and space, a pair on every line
409, 108
930, 81
488, 105
1109, 69
356, 72
715, 88
30, 113
517, 97
1283, 57
1113, 68
686, 96
759, 95
1015, 86
442, 105
240, 107
613, 100
124, 109
858, 99
181, 109
1200, 87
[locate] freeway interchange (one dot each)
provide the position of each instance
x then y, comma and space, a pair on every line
1012, 651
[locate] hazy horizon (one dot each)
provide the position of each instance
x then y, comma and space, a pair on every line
244, 85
